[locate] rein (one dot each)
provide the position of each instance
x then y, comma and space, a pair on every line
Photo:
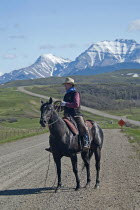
54, 121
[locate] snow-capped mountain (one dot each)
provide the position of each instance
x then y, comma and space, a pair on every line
104, 56
46, 65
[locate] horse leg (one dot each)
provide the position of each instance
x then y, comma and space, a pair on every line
97, 154
85, 157
75, 170
57, 160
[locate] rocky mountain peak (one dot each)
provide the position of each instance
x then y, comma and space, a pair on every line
100, 57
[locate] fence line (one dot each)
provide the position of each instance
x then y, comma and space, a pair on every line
13, 133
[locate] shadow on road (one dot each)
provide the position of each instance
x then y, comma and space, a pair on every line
33, 191
26, 191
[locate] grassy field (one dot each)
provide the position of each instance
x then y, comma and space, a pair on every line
57, 91
133, 135
132, 113
133, 132
119, 76
19, 115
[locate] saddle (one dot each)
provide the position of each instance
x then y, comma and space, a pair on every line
71, 125
70, 122
89, 123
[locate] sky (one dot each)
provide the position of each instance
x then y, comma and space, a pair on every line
64, 28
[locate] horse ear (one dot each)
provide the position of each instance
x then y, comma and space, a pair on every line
50, 100
41, 102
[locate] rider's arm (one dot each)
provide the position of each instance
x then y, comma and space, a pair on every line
75, 103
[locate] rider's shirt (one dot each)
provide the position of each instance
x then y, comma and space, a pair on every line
72, 99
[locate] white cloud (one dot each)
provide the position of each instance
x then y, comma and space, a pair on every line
9, 56
134, 25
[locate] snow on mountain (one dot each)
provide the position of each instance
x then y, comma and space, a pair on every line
46, 65
105, 54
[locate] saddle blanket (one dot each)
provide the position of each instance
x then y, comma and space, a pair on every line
73, 128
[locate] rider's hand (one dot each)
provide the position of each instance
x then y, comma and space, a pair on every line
63, 103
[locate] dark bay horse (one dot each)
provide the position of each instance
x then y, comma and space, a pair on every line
64, 143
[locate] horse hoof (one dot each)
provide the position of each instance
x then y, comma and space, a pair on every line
57, 189
87, 185
97, 187
77, 188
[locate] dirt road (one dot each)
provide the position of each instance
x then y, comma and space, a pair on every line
94, 111
23, 168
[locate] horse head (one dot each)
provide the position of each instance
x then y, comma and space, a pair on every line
46, 112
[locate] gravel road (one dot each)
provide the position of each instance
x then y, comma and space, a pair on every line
23, 173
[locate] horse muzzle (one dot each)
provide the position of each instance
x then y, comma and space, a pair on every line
43, 123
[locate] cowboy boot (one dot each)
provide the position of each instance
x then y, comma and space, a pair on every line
86, 142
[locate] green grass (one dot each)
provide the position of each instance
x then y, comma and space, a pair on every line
133, 135
104, 122
9, 135
113, 77
57, 91
19, 115
132, 113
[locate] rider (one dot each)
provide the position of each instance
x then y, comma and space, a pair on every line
71, 103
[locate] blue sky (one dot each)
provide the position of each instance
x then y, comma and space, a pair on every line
65, 28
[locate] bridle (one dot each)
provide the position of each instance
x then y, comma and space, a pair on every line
52, 122
47, 115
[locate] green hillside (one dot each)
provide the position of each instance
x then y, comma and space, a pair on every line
19, 115
117, 93
111, 77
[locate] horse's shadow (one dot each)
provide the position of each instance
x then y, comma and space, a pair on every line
31, 191
27, 191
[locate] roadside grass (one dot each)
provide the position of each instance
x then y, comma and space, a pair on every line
56, 91
22, 122
133, 135
9, 135
19, 115
132, 113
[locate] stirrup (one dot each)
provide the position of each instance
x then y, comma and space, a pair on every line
86, 147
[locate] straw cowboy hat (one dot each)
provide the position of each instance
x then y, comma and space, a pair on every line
69, 80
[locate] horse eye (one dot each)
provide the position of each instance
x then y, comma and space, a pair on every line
49, 108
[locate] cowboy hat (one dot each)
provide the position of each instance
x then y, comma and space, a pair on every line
69, 80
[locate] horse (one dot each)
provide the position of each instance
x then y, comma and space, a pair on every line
64, 143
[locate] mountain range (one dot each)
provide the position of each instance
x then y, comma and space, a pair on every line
101, 57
